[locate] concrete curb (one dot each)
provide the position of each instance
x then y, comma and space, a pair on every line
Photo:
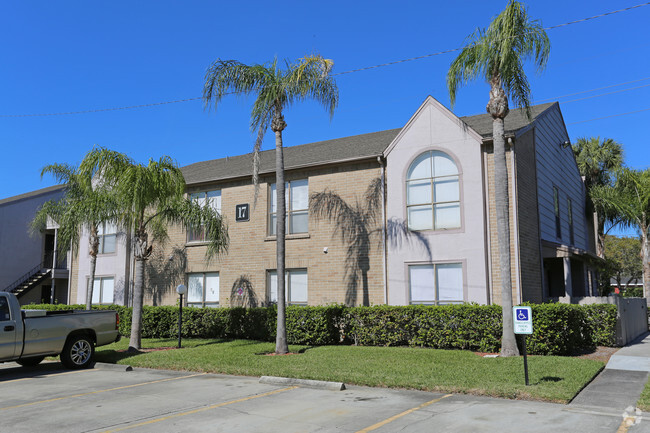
117, 367
289, 381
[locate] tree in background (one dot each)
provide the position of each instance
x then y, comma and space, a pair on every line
275, 89
597, 161
629, 199
151, 198
623, 260
86, 204
497, 54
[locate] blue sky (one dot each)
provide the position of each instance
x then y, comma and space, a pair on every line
82, 55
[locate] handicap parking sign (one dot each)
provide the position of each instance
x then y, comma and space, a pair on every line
522, 320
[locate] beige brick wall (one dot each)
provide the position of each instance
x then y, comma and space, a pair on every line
252, 252
529, 236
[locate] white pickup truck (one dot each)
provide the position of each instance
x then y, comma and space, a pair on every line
28, 336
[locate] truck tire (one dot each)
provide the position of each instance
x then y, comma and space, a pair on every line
30, 362
78, 352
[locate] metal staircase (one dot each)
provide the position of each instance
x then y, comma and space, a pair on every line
29, 280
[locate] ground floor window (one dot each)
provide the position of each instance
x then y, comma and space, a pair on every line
295, 285
103, 290
436, 283
203, 289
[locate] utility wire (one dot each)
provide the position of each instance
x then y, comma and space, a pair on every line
605, 94
593, 90
582, 20
607, 117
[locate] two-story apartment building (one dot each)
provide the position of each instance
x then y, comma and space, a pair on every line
408, 216
32, 265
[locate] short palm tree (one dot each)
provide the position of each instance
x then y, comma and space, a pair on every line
629, 198
597, 161
275, 88
151, 197
86, 204
496, 54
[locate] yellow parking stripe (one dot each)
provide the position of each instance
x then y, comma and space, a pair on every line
100, 391
190, 412
41, 376
399, 415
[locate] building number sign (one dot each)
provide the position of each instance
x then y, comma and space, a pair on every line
241, 212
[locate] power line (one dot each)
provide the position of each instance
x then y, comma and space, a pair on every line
99, 110
593, 90
605, 94
607, 117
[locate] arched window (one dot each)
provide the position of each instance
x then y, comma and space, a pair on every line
433, 192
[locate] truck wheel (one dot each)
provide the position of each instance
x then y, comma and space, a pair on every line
78, 352
30, 362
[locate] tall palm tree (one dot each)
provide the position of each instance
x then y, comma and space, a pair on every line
275, 88
597, 161
497, 54
152, 197
86, 204
629, 198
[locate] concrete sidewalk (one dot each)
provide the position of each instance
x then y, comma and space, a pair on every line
620, 384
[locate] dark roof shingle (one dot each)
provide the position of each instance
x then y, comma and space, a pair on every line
337, 150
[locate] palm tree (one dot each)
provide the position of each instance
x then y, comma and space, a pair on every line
86, 204
497, 55
275, 89
597, 161
152, 197
629, 198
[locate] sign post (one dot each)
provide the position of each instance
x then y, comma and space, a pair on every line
523, 324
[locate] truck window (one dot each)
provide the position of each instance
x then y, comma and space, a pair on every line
4, 309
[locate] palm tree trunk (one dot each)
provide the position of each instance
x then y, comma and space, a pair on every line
278, 126
138, 295
94, 249
498, 108
645, 256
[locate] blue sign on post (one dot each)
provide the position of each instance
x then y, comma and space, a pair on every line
522, 320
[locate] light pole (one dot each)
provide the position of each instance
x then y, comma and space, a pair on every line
181, 290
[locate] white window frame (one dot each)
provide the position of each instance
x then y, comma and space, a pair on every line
291, 212
288, 297
435, 300
203, 302
213, 197
107, 230
98, 292
433, 204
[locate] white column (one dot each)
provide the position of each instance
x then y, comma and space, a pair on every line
568, 287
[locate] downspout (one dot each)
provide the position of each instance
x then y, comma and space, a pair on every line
52, 297
515, 217
383, 227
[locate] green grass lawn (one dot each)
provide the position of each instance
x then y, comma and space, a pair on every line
552, 378
644, 400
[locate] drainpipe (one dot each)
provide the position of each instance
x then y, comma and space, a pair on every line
383, 227
515, 217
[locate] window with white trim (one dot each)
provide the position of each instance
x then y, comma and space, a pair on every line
213, 198
203, 289
107, 233
436, 284
433, 192
103, 290
295, 286
296, 194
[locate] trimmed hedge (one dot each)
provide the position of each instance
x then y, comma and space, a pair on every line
559, 329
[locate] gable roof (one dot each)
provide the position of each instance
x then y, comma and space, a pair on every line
338, 150
31, 194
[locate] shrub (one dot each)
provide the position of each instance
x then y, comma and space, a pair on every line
559, 329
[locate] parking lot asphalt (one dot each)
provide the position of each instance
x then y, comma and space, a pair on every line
48, 398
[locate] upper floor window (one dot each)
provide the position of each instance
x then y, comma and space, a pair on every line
433, 192
203, 289
107, 233
569, 207
556, 210
296, 194
440, 283
213, 198
295, 286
